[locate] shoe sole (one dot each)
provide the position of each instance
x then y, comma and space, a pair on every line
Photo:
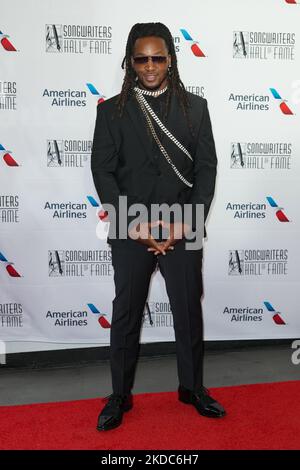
113, 426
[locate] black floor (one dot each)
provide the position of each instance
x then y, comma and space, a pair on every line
154, 374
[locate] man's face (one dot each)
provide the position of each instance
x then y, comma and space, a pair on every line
152, 75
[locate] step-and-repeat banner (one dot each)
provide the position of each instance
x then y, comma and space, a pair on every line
58, 59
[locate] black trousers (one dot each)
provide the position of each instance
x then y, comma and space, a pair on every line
182, 270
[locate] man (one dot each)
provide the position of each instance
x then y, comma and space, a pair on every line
153, 143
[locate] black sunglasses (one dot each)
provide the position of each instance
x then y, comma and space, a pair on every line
156, 59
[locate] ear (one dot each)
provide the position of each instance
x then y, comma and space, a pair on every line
169, 60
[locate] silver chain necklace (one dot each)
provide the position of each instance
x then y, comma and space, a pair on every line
152, 93
148, 111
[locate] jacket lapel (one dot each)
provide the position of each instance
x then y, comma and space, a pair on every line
139, 123
173, 116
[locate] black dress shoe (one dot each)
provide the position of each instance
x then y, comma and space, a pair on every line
112, 413
202, 401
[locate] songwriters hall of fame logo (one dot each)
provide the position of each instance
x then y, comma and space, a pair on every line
54, 38
56, 263
238, 155
261, 155
236, 263
55, 156
240, 44
68, 153
80, 263
78, 39
258, 262
157, 315
264, 45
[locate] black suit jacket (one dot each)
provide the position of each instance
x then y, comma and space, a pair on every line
123, 160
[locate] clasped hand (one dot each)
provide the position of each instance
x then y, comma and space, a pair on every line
142, 234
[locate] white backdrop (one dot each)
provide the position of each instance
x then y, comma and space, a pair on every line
58, 58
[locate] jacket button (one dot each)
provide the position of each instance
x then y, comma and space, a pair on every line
158, 173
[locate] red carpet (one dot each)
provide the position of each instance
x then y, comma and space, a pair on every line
263, 416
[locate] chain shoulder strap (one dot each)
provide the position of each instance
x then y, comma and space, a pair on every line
147, 111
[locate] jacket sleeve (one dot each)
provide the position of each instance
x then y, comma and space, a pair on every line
104, 161
205, 166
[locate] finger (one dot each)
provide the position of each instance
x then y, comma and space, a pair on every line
154, 248
154, 224
167, 244
167, 249
165, 224
157, 246
151, 249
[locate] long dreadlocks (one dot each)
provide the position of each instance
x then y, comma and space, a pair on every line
175, 85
